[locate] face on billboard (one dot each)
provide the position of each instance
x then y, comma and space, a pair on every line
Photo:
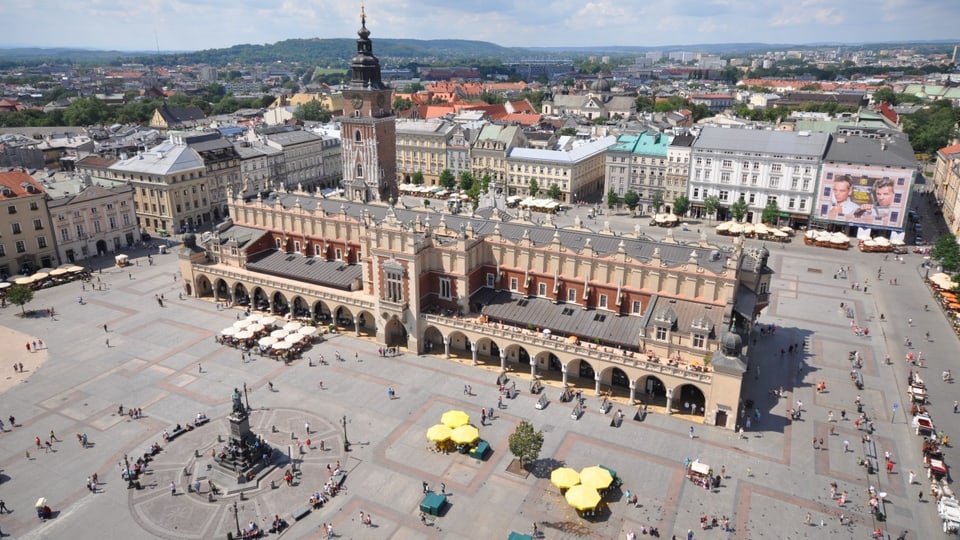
860, 196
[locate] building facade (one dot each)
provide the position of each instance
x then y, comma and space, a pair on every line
222, 171
575, 167
678, 168
368, 128
597, 311
422, 146
759, 167
260, 166
638, 163
95, 221
488, 156
946, 185
27, 240
170, 186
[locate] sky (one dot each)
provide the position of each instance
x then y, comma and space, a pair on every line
137, 25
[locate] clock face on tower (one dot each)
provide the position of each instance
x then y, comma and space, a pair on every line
380, 100
357, 101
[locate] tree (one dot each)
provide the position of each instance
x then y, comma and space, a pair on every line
947, 251
447, 179
554, 192
631, 199
771, 212
534, 187
612, 199
86, 112
21, 295
567, 131
739, 209
681, 205
711, 203
417, 178
467, 181
525, 443
312, 111
656, 201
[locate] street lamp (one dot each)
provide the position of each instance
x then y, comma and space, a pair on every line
126, 462
246, 398
346, 442
236, 518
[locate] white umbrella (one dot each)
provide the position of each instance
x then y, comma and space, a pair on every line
267, 341
279, 334
725, 225
254, 317
292, 326
241, 324
5, 284
293, 338
229, 331
244, 334
267, 320
282, 345
255, 327
307, 331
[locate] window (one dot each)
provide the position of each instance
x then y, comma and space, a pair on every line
803, 204
394, 285
696, 193
661, 333
296, 246
603, 301
775, 182
278, 242
80, 231
113, 222
724, 195
3, 251
491, 280
41, 242
725, 178
513, 284
16, 228
96, 226
764, 285
21, 247
792, 202
34, 206
541, 289
359, 170
637, 306
126, 220
11, 209
806, 184
699, 341
752, 198
571, 295
65, 234
316, 250
356, 136
38, 224
726, 164
445, 288
776, 167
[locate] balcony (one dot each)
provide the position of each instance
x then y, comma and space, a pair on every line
560, 344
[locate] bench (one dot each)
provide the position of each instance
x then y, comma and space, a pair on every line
300, 513
480, 450
175, 433
201, 421
339, 478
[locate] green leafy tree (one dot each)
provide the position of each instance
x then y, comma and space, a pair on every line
739, 209
417, 178
631, 199
656, 201
554, 192
567, 131
947, 252
20, 295
525, 443
86, 112
681, 205
485, 182
612, 199
312, 111
447, 179
534, 187
771, 212
402, 104
711, 203
467, 181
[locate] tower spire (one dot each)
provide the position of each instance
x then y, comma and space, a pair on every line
363, 15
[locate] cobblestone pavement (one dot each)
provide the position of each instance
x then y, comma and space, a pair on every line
774, 476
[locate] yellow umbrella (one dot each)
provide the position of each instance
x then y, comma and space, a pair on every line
455, 419
596, 477
582, 497
438, 433
564, 477
465, 434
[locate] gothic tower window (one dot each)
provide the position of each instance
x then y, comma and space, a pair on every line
359, 170
356, 136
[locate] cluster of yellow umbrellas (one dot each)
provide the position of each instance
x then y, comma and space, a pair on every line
583, 487
455, 426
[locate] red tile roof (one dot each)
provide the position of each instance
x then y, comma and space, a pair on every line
14, 180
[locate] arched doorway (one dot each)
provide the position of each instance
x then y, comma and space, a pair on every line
343, 318
690, 400
519, 355
240, 295
321, 312
619, 378
204, 287
260, 300
585, 370
367, 324
651, 391
223, 290
300, 308
101, 247
394, 333
280, 304
432, 340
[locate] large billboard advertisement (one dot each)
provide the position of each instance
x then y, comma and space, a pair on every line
864, 196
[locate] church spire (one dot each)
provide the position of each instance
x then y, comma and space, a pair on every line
364, 66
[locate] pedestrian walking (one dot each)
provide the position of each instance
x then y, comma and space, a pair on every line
105, 328
911, 477
889, 467
807, 519
956, 407
483, 417
830, 416
691, 432
107, 342
173, 488
3, 507
846, 446
306, 427
426, 486
443, 488
270, 384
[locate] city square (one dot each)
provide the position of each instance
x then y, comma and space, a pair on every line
166, 361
